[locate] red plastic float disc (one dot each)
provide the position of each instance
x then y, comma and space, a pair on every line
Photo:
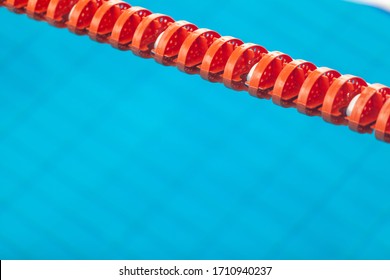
338, 97
125, 26
382, 127
16, 5
81, 15
216, 57
194, 48
312, 93
367, 107
239, 64
104, 19
170, 41
36, 8
58, 10
147, 33
290, 81
266, 72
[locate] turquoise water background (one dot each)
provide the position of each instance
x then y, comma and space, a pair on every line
104, 155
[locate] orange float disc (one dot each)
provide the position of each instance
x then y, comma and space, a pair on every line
81, 15
239, 64
104, 19
58, 11
339, 96
36, 8
263, 76
312, 93
382, 127
367, 107
194, 48
125, 26
290, 81
16, 6
216, 57
169, 42
147, 33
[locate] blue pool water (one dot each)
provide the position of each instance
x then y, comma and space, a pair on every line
104, 155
